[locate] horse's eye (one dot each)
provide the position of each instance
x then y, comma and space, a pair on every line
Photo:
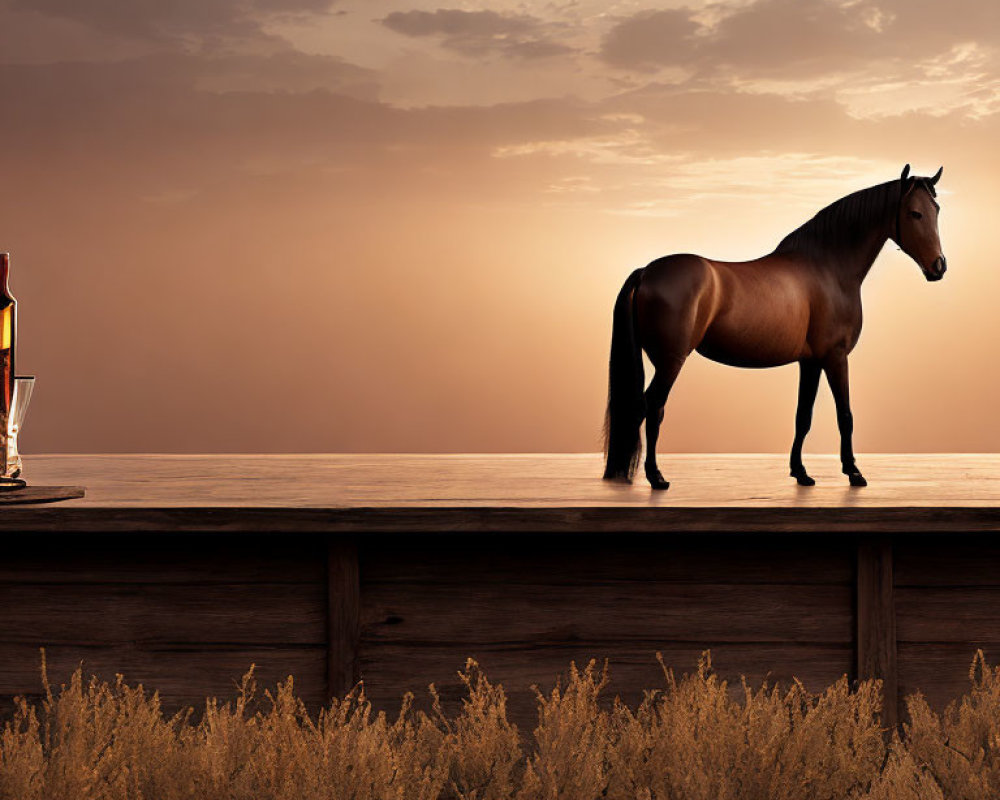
916, 215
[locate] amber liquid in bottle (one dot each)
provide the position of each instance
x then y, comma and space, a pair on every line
8, 335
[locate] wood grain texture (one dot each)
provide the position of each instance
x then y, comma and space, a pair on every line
646, 612
949, 614
556, 493
184, 615
940, 671
525, 606
343, 616
239, 613
948, 606
876, 622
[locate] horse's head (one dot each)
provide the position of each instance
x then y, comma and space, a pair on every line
916, 227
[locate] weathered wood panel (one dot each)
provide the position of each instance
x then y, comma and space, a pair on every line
182, 615
524, 607
949, 614
213, 613
588, 560
947, 607
940, 671
643, 611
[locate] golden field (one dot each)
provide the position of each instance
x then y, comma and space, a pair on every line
693, 738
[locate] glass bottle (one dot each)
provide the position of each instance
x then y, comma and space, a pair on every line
8, 337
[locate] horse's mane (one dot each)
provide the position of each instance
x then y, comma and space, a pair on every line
845, 222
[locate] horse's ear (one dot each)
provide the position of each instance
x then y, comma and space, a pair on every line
906, 173
937, 176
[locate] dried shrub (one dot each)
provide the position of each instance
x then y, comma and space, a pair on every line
483, 749
960, 749
696, 738
902, 778
571, 741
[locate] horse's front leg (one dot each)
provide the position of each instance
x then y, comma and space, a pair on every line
837, 376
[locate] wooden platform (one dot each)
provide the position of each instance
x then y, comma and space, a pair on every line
368, 493
181, 571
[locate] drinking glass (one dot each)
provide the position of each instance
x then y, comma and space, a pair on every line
23, 387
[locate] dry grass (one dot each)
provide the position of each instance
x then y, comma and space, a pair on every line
693, 739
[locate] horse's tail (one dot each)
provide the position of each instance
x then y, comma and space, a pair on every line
626, 405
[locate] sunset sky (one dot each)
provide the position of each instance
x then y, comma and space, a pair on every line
286, 225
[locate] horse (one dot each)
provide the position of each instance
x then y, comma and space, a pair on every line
800, 303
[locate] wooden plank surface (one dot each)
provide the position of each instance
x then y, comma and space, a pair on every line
316, 493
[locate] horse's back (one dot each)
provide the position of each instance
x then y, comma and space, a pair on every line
751, 314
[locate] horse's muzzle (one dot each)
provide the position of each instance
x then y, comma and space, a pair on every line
937, 270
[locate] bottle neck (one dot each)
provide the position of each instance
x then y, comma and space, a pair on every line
4, 272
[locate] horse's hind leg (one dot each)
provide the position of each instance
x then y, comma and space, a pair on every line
809, 372
656, 399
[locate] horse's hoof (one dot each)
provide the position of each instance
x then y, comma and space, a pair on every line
803, 479
857, 479
657, 481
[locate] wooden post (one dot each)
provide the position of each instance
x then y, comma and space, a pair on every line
343, 616
876, 622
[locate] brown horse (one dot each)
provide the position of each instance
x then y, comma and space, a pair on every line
800, 303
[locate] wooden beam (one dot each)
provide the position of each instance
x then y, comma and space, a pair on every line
343, 616
876, 622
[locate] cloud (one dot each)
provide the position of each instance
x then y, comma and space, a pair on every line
207, 117
874, 56
286, 71
652, 39
156, 20
787, 36
212, 45
474, 33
